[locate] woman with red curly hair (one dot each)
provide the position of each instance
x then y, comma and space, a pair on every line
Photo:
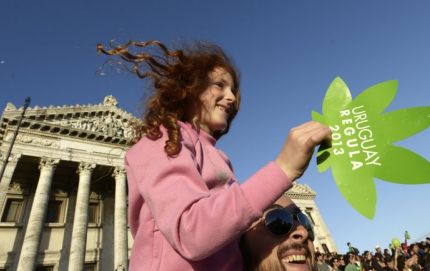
187, 211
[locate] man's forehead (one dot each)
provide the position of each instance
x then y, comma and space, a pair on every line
285, 202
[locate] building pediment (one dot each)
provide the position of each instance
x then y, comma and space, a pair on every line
301, 191
103, 122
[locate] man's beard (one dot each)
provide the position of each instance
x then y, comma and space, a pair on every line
275, 264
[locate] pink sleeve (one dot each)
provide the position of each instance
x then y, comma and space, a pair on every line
195, 222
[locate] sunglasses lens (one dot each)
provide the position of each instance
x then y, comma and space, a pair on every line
279, 221
305, 222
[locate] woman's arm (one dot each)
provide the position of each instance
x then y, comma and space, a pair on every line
194, 220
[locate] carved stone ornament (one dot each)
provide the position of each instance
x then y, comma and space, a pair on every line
13, 157
10, 107
16, 187
118, 172
94, 195
85, 167
301, 191
107, 125
8, 137
110, 101
34, 140
47, 162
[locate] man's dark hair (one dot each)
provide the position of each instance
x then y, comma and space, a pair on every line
331, 262
388, 258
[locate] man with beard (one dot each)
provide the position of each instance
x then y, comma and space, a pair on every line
282, 240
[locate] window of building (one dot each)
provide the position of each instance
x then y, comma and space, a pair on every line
56, 210
308, 211
44, 268
13, 210
94, 212
89, 267
325, 247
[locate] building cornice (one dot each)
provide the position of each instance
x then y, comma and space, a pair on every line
103, 122
301, 191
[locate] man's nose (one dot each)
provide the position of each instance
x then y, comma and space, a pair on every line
299, 233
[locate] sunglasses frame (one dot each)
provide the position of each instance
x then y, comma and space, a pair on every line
294, 219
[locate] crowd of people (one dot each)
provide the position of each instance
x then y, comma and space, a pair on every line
412, 257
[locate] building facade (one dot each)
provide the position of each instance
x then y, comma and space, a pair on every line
304, 197
63, 194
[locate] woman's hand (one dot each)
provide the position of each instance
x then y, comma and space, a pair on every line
298, 149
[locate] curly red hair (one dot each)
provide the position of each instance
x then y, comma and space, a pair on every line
178, 78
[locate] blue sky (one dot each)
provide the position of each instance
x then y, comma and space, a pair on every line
288, 52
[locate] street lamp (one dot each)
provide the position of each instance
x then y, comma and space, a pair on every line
15, 133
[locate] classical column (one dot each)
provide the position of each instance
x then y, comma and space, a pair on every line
30, 246
7, 176
120, 226
80, 223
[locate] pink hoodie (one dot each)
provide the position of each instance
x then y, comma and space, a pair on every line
188, 212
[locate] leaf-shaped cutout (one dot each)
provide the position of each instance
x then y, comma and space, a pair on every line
337, 97
318, 117
378, 97
403, 123
358, 189
323, 160
323, 151
400, 165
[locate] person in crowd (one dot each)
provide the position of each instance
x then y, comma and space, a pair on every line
282, 240
401, 263
386, 252
378, 262
321, 262
390, 263
351, 262
187, 211
426, 261
414, 249
367, 261
405, 248
378, 250
352, 249
341, 261
335, 264
408, 264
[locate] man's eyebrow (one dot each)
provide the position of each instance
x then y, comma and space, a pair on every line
297, 209
273, 206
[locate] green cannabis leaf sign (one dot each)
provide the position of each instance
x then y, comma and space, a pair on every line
362, 137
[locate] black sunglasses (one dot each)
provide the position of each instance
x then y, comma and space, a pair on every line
280, 222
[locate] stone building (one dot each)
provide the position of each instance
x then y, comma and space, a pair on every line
303, 196
63, 194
